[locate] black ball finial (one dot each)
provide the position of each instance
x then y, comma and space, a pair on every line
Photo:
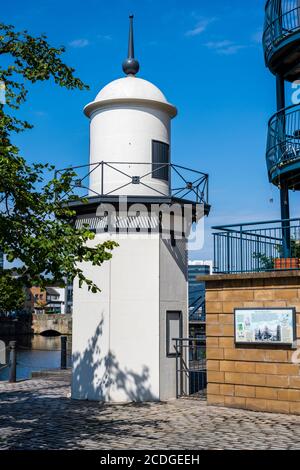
130, 65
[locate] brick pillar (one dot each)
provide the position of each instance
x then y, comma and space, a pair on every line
255, 378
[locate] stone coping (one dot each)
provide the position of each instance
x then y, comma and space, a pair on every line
248, 276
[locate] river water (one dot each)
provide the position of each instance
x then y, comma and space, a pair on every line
36, 353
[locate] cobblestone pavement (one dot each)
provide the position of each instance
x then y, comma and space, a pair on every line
38, 414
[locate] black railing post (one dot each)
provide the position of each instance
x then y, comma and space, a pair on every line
257, 248
207, 189
12, 362
228, 253
177, 391
102, 177
284, 190
181, 367
285, 215
278, 21
215, 253
63, 352
241, 249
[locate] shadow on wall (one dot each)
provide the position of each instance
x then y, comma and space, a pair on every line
100, 377
179, 253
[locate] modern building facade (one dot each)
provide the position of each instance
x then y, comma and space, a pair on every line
252, 308
35, 300
273, 245
51, 300
281, 42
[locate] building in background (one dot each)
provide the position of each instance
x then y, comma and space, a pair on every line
69, 298
52, 300
55, 297
197, 296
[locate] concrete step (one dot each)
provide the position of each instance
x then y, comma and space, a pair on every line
53, 374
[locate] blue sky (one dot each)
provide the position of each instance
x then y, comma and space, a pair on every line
207, 59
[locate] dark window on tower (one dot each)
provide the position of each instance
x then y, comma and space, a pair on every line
160, 157
173, 331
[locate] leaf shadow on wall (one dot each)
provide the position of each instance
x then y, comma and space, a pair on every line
94, 375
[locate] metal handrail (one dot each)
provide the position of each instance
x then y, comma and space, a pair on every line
254, 246
198, 187
191, 368
281, 111
244, 224
283, 145
194, 307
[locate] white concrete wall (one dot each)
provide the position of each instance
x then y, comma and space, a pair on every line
90, 339
116, 332
62, 297
173, 297
124, 133
119, 335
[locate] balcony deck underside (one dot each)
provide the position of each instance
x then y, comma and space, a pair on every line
288, 173
284, 57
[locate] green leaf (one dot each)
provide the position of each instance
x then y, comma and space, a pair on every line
36, 224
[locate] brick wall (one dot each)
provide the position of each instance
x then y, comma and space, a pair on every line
252, 378
30, 302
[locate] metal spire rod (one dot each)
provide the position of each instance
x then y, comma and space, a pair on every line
130, 39
130, 65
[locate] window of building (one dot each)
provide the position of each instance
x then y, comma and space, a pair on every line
70, 295
160, 157
174, 331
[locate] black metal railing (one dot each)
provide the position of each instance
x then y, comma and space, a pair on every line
283, 145
282, 19
191, 373
256, 247
197, 308
183, 182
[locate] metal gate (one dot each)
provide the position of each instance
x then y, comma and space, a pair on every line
191, 372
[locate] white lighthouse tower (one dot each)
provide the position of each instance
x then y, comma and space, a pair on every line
123, 347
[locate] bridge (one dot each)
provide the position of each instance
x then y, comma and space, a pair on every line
43, 324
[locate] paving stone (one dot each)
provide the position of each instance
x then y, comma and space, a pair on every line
39, 414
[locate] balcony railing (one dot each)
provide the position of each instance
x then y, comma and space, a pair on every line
283, 145
282, 19
184, 183
256, 247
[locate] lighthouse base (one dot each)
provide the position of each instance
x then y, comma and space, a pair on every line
123, 348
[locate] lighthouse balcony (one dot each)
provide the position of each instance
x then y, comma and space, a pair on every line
281, 38
141, 181
283, 148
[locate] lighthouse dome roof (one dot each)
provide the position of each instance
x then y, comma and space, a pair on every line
131, 87
130, 90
